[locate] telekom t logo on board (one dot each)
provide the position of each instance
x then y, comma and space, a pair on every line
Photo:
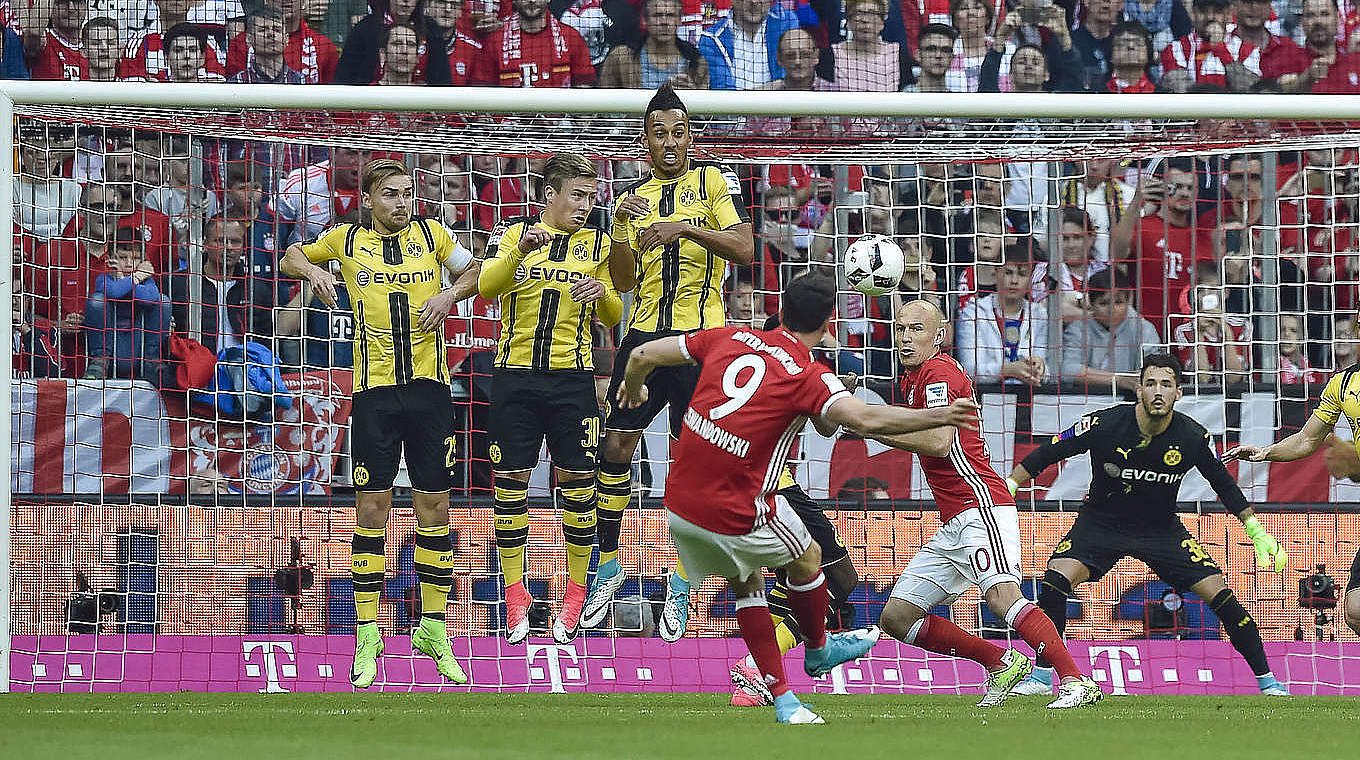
560, 665
276, 660
1115, 669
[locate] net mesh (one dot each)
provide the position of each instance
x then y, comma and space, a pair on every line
149, 517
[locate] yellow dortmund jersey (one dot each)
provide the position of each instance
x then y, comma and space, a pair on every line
389, 278
1341, 397
542, 328
679, 285
785, 479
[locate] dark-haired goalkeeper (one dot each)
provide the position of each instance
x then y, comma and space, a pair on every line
674, 233
551, 274
1140, 453
393, 270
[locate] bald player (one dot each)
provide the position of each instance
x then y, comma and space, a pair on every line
978, 543
1340, 397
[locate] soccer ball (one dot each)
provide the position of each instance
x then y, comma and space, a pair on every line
874, 265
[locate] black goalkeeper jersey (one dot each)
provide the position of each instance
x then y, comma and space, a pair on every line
1135, 480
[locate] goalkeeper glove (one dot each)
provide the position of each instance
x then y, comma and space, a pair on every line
1269, 555
1012, 485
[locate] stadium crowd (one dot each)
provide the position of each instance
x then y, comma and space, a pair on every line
1052, 272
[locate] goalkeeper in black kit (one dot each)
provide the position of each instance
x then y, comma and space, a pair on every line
1140, 453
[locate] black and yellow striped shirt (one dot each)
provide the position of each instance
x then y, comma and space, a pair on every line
389, 279
542, 328
680, 285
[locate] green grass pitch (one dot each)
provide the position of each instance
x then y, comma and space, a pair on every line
627, 726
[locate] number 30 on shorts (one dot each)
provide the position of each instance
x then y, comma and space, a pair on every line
590, 427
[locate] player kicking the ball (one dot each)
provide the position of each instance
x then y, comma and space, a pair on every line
978, 543
755, 391
1140, 454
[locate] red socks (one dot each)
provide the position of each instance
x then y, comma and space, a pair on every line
753, 619
941, 636
1039, 632
809, 602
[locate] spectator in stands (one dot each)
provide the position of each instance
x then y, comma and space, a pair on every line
147, 57
268, 39
311, 198
973, 20
1323, 66
1345, 350
608, 24
1093, 40
1210, 343
1293, 360
1167, 245
127, 318
307, 51
978, 273
935, 57
233, 310
534, 49
1165, 21
1131, 58
46, 198
462, 44
243, 198
743, 307
1076, 264
51, 30
1108, 346
863, 489
166, 166
400, 55
864, 62
12, 64
659, 56
99, 42
742, 50
1099, 190
1052, 66
361, 60
1208, 54
185, 47
1004, 336
798, 56
1276, 49
327, 333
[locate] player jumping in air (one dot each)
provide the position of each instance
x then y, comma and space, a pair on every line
673, 234
755, 391
1340, 398
841, 577
392, 270
552, 277
978, 543
1140, 454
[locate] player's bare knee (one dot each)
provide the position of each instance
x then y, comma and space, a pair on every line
898, 617
1075, 572
1210, 587
841, 577
1352, 611
619, 446
806, 566
371, 508
1002, 596
742, 587
431, 508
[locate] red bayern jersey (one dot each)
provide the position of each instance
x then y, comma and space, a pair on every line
60, 59
964, 479
755, 392
556, 56
1165, 257
1209, 63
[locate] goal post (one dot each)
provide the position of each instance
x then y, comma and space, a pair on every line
921, 164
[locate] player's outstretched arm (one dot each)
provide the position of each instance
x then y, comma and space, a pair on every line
296, 264
1296, 446
662, 352
1069, 443
891, 424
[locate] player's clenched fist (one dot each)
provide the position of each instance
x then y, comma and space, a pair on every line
533, 239
631, 206
323, 285
631, 398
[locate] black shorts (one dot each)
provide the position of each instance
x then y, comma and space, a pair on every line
673, 385
528, 406
1353, 582
417, 415
1168, 550
817, 523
